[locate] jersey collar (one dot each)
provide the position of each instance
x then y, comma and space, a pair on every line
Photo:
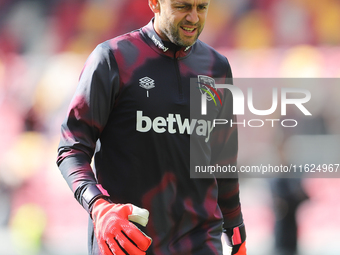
163, 47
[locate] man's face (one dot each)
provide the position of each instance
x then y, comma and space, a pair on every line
181, 21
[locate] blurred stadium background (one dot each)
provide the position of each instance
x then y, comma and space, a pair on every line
43, 46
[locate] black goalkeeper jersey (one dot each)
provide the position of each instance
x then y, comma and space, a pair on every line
131, 111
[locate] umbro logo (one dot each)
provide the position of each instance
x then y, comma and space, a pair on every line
147, 83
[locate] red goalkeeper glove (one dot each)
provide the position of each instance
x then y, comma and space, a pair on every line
114, 231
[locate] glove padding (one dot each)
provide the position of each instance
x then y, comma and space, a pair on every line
115, 233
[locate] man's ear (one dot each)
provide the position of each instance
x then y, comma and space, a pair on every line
154, 6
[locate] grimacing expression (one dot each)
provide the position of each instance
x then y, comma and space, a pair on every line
181, 21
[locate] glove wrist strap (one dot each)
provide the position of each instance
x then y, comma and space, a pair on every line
237, 235
91, 194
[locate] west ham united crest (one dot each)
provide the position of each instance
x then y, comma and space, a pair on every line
206, 84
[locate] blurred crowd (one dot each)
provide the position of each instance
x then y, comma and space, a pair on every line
50, 26
43, 46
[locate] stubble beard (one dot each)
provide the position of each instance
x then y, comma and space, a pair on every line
173, 34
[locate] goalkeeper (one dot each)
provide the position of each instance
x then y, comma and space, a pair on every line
130, 113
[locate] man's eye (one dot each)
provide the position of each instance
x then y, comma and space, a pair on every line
180, 7
202, 7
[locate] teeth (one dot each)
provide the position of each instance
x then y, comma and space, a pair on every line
188, 29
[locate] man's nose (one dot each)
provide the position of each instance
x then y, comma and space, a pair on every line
192, 17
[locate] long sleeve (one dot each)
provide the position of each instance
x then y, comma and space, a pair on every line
224, 153
86, 118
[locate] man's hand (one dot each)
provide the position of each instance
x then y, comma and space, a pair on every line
115, 233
